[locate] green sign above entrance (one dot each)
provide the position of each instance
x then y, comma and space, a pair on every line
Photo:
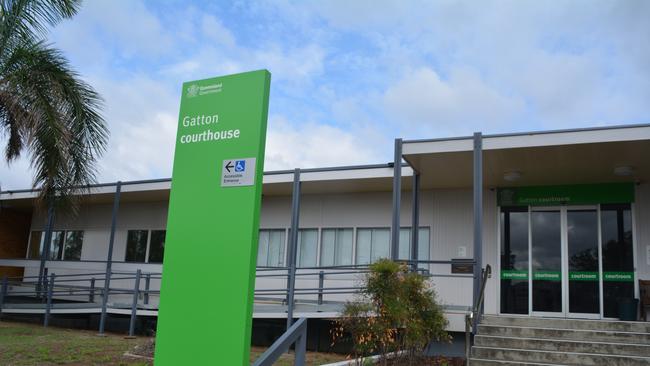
573, 276
577, 194
213, 221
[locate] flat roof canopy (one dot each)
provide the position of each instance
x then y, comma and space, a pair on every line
353, 179
545, 158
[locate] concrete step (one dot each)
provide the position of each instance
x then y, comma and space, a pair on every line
557, 358
581, 324
484, 362
563, 345
564, 334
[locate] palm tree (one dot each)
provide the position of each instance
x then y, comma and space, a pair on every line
46, 110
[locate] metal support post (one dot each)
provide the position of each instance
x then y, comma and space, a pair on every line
147, 283
109, 259
3, 291
91, 295
321, 283
397, 198
478, 218
45, 251
134, 305
415, 218
293, 245
48, 305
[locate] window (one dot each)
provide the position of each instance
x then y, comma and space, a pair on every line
157, 246
618, 256
372, 244
145, 246
73, 243
35, 245
336, 247
307, 247
270, 249
405, 246
64, 245
514, 260
56, 245
136, 245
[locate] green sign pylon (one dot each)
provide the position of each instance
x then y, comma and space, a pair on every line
208, 282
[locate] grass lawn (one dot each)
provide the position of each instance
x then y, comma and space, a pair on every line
23, 344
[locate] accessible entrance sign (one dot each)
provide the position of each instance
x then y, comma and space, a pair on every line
213, 221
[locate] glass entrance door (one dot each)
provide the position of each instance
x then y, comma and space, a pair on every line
552, 261
583, 262
546, 247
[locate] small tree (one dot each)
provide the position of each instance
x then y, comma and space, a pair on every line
397, 312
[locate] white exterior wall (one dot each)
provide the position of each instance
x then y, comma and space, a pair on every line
447, 213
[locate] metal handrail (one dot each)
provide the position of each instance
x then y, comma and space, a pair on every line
474, 315
297, 334
81, 287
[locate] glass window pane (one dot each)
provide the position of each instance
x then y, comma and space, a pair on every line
276, 249
343, 247
404, 244
56, 245
617, 256
307, 247
424, 247
73, 243
35, 245
514, 261
157, 246
364, 237
136, 245
380, 244
263, 248
327, 247
546, 247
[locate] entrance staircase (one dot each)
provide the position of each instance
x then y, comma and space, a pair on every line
519, 341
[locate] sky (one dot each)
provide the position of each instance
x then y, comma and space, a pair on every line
348, 77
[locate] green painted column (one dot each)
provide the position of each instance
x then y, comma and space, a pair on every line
212, 229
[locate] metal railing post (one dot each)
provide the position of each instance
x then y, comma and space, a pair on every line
321, 282
3, 291
147, 283
134, 305
91, 295
48, 305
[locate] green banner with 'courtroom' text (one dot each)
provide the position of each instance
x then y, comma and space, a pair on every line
213, 221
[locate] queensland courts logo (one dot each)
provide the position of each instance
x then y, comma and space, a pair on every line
195, 90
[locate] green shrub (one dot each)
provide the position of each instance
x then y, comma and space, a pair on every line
397, 312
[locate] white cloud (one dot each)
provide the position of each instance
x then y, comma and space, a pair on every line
360, 73
126, 26
16, 175
215, 31
142, 115
312, 145
460, 104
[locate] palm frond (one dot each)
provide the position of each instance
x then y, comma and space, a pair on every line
52, 112
30, 19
